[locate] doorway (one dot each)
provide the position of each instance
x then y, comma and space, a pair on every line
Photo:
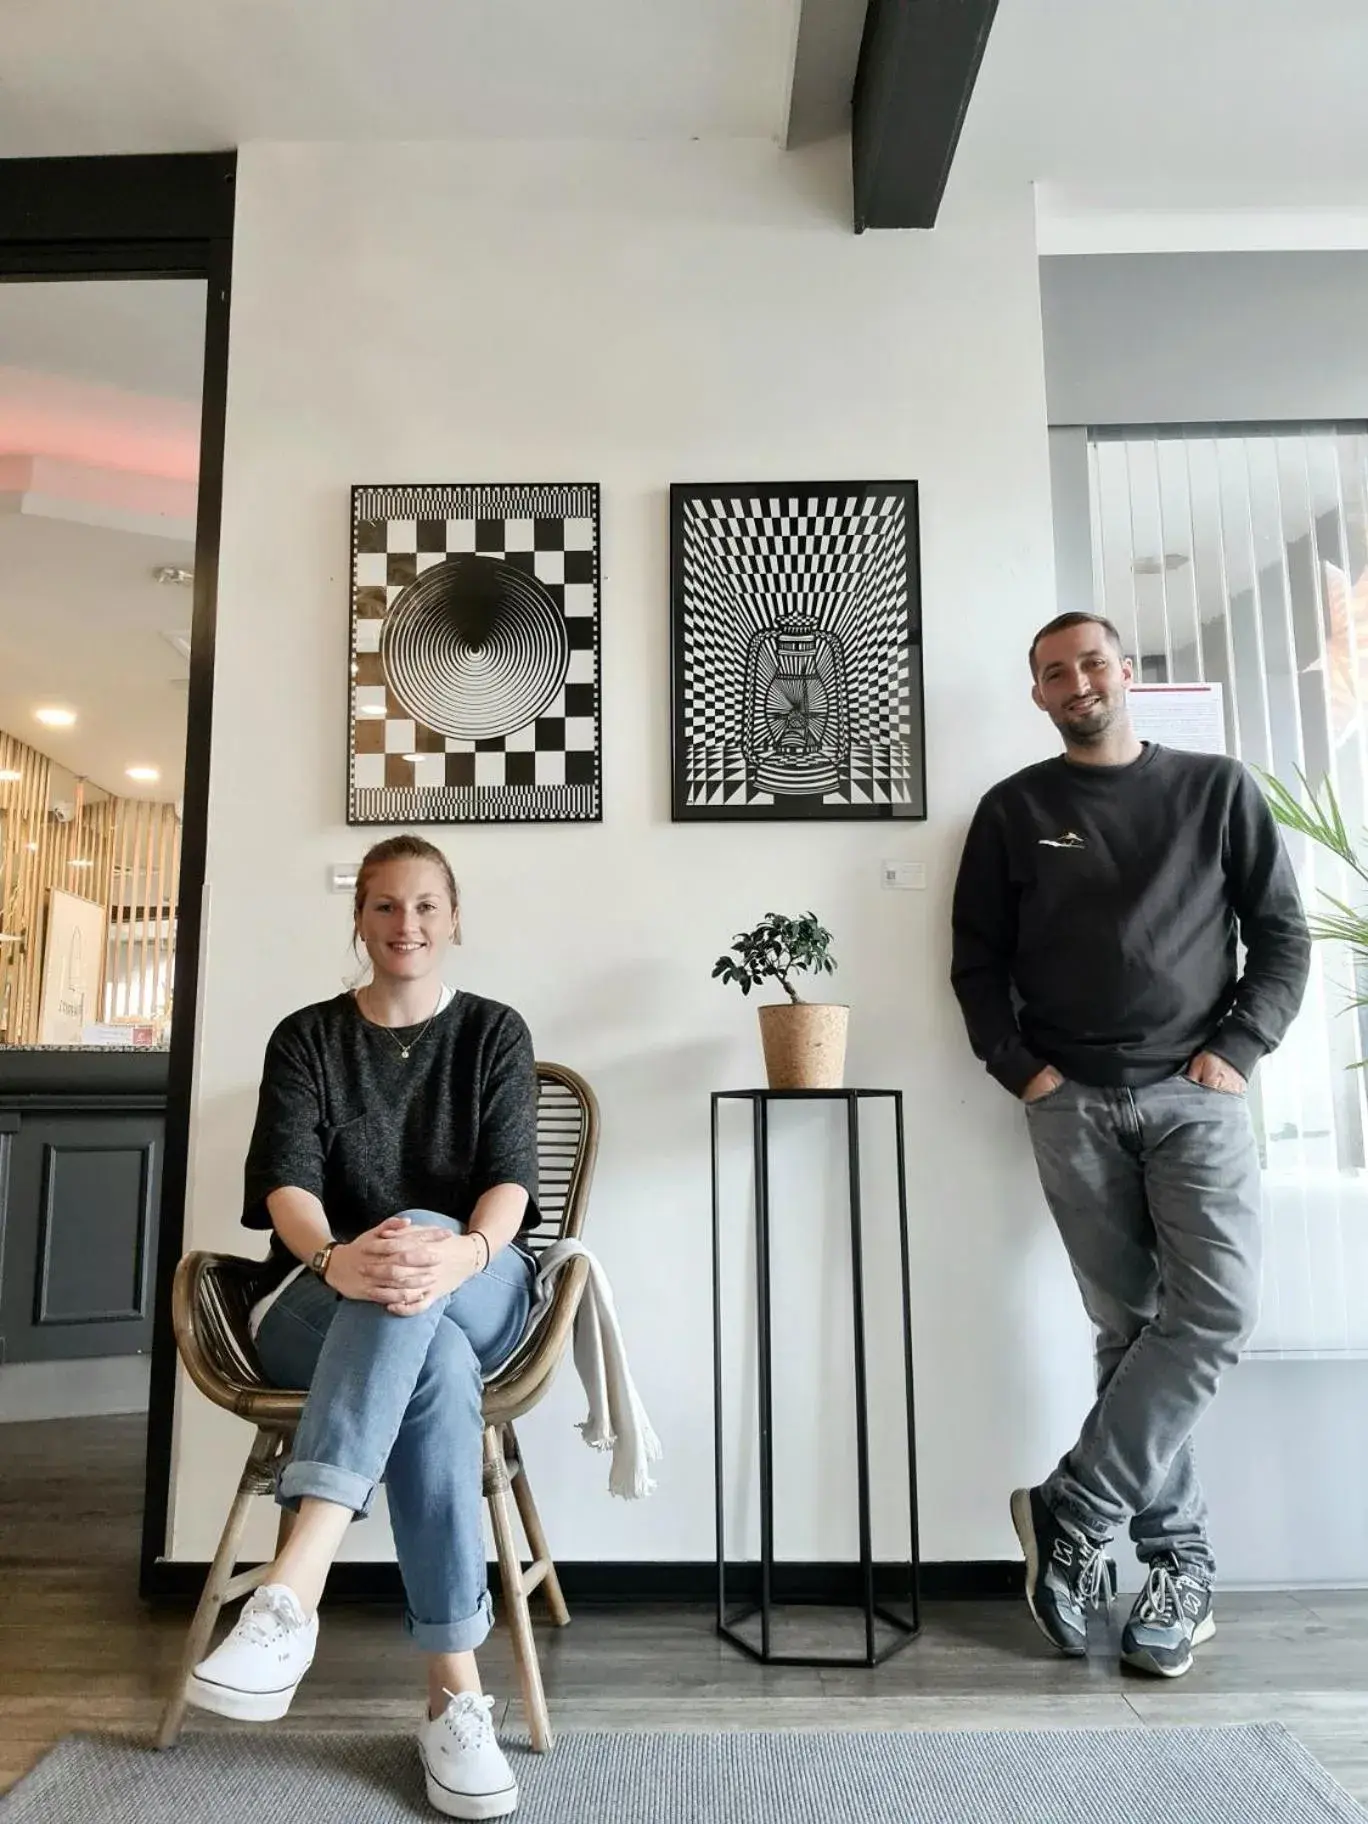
114, 297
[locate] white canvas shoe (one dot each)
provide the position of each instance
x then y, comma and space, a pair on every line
253, 1674
467, 1774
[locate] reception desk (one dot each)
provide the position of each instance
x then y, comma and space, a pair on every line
80, 1182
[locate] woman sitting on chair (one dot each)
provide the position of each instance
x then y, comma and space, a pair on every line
394, 1157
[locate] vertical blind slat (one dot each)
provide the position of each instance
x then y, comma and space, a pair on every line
1276, 575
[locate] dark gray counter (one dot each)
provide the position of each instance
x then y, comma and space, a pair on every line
85, 1070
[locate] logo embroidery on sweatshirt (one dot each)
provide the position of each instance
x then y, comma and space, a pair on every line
1069, 839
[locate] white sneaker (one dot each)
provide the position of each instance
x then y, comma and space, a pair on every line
467, 1775
255, 1672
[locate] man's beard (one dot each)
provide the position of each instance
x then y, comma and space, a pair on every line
1093, 724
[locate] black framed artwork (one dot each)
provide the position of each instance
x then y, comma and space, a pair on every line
474, 689
797, 662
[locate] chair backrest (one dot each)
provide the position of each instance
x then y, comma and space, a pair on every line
567, 1148
211, 1299
214, 1293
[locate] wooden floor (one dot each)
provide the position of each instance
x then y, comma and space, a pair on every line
79, 1651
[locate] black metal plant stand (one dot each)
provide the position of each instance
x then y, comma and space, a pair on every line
903, 1627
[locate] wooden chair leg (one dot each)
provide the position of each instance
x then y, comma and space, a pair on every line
496, 1483
532, 1526
220, 1583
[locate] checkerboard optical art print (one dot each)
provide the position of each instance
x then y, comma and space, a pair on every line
475, 655
797, 682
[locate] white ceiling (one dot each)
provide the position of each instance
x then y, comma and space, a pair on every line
1144, 102
139, 335
81, 624
88, 76
1174, 102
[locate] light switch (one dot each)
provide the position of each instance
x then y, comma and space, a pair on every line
905, 875
342, 876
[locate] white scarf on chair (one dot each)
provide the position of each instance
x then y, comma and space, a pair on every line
617, 1419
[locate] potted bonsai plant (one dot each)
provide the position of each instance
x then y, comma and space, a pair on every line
804, 1042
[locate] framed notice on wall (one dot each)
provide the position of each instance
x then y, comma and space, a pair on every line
1190, 716
73, 952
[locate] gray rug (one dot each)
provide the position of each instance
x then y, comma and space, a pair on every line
1251, 1775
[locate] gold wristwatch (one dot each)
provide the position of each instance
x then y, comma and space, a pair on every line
319, 1263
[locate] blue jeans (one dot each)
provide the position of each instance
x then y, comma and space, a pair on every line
398, 1400
1156, 1196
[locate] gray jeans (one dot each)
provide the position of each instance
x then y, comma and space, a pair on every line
1155, 1192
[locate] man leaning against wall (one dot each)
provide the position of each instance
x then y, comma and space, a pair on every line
1101, 901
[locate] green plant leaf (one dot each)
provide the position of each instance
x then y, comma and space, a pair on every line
1320, 820
1316, 815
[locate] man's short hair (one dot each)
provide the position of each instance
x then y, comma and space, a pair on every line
1074, 618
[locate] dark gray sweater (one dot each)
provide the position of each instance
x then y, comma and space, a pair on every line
1097, 914
371, 1133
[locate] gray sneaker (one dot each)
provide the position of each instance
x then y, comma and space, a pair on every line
1172, 1615
1067, 1574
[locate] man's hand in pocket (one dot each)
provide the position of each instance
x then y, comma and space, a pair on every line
1042, 1083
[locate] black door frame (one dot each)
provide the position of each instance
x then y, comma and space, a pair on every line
156, 217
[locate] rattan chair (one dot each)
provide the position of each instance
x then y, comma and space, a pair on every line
212, 1296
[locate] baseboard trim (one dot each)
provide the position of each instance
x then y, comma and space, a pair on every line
646, 1581
94, 1387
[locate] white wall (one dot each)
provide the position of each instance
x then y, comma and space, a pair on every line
1205, 338
638, 316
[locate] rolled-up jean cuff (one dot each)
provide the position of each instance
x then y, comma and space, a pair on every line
324, 1482
452, 1636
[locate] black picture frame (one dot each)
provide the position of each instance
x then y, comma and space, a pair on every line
474, 689
797, 687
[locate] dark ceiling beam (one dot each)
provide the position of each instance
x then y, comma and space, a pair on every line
918, 63
177, 196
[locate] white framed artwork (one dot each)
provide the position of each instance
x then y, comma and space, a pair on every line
73, 950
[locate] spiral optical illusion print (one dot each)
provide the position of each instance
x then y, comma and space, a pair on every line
474, 648
475, 655
797, 651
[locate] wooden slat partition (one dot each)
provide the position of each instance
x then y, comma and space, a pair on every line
124, 852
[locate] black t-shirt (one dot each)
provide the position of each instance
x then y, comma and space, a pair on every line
343, 1114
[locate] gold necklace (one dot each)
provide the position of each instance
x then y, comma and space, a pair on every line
399, 1045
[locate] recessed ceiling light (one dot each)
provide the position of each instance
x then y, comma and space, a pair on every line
413, 759
81, 863
52, 717
8, 776
32, 847
143, 774
370, 709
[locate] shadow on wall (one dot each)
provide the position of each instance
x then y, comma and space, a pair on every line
220, 1141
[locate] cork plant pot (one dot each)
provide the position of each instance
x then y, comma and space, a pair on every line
804, 1044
